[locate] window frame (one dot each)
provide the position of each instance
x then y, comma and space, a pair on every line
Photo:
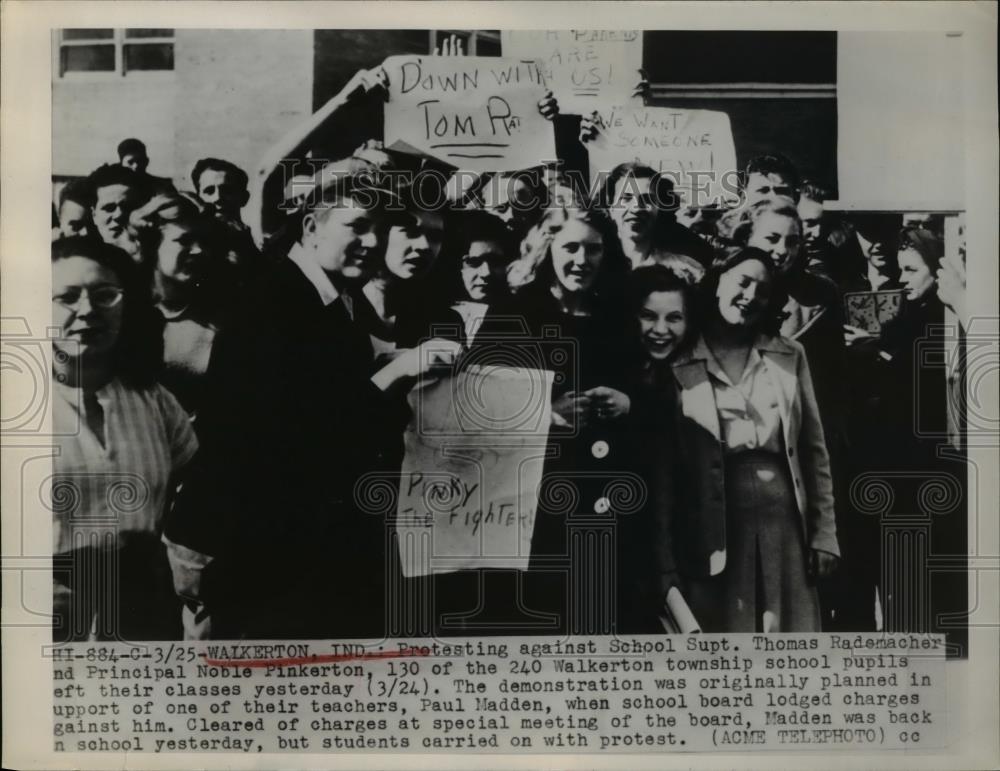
119, 40
470, 37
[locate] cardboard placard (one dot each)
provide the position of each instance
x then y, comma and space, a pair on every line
584, 68
478, 113
693, 147
473, 464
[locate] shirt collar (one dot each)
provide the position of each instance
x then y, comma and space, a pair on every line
315, 274
74, 396
754, 360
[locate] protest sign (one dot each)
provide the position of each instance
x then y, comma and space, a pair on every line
693, 147
871, 310
473, 464
474, 112
585, 68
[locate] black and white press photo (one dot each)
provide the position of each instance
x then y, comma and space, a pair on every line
523, 388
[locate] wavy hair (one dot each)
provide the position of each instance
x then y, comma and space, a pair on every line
534, 266
708, 304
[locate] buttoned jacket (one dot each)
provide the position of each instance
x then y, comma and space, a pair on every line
700, 510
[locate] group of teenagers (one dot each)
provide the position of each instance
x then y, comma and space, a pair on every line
222, 401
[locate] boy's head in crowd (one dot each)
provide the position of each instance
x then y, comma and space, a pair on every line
341, 230
768, 177
76, 204
518, 199
810, 208
117, 192
132, 155
222, 185
637, 197
878, 237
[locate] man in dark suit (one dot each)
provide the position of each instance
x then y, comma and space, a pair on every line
266, 539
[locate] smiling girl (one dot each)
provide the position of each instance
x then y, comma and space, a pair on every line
750, 429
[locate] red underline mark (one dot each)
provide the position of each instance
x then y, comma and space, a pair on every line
321, 659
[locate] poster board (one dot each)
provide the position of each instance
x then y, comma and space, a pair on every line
474, 453
584, 68
694, 148
478, 113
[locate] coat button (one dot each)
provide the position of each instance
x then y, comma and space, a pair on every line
602, 505
600, 449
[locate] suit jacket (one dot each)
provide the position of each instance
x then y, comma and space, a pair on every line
289, 424
700, 514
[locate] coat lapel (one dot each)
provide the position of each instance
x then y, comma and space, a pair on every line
779, 360
697, 394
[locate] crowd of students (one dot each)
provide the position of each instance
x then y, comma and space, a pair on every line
220, 401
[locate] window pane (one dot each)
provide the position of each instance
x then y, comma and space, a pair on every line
152, 56
487, 44
88, 58
149, 33
88, 34
740, 57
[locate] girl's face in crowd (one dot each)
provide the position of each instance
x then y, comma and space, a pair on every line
343, 240
483, 270
743, 293
663, 323
577, 251
412, 248
87, 305
914, 274
633, 208
779, 236
180, 256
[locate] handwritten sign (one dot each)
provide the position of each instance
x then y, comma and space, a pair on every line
871, 310
693, 147
469, 486
474, 112
584, 68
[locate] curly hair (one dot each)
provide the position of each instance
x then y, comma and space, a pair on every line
708, 304
535, 263
138, 352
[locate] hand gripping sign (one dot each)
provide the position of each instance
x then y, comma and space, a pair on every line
584, 68
693, 147
473, 112
473, 465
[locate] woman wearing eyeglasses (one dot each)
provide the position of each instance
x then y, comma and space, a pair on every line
122, 441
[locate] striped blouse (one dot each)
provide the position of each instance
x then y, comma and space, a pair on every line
103, 491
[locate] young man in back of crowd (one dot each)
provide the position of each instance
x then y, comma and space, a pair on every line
117, 192
132, 155
224, 188
769, 177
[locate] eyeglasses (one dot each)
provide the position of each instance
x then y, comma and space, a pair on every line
102, 297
